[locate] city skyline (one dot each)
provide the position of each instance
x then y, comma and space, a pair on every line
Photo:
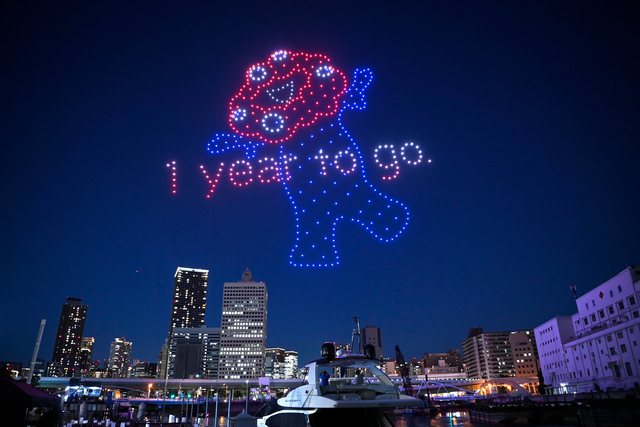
528, 112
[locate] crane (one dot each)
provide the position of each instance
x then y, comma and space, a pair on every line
404, 372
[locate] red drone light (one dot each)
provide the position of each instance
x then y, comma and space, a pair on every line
268, 106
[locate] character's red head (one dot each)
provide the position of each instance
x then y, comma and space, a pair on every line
289, 91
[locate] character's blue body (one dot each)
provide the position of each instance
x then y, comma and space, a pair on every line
327, 184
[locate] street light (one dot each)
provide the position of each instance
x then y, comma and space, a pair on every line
247, 408
229, 408
149, 392
217, 401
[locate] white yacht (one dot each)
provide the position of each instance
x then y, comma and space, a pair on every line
331, 400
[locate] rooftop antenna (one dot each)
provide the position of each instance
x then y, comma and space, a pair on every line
574, 290
356, 332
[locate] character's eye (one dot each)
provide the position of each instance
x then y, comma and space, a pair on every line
239, 115
257, 73
280, 55
273, 122
324, 71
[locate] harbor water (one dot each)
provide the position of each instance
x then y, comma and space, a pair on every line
454, 418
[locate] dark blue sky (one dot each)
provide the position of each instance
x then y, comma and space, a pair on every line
529, 110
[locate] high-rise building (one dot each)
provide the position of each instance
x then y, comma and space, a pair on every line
188, 354
290, 364
66, 351
274, 365
490, 355
189, 298
524, 353
597, 347
372, 335
280, 364
187, 309
119, 357
243, 329
197, 353
86, 352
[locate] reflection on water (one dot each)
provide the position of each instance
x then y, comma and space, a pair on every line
455, 418
459, 417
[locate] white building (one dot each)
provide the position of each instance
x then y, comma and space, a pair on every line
243, 329
551, 337
290, 364
598, 347
119, 356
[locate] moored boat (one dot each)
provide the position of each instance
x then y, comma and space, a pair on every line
330, 399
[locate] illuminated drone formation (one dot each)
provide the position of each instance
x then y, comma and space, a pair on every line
290, 109
174, 178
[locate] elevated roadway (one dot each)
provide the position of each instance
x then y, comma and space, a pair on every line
438, 388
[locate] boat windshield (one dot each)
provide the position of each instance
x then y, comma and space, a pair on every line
365, 364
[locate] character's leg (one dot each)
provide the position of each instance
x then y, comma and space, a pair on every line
315, 244
384, 217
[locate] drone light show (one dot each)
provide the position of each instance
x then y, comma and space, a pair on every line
287, 128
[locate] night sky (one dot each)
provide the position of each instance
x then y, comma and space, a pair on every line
529, 112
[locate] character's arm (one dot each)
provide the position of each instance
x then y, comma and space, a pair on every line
354, 98
224, 142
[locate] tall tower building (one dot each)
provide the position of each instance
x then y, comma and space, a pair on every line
187, 309
243, 329
86, 352
189, 298
119, 358
66, 351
